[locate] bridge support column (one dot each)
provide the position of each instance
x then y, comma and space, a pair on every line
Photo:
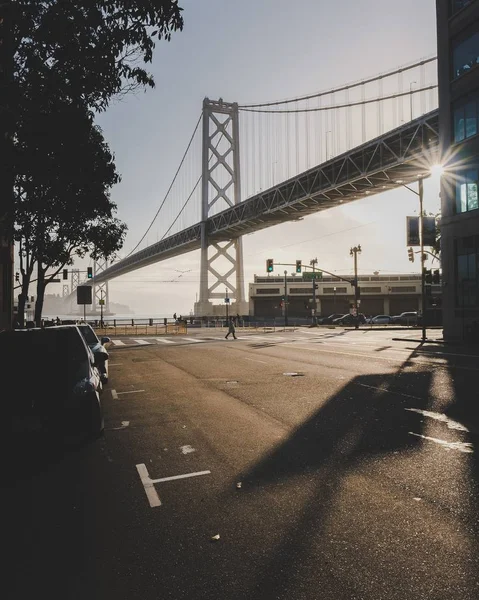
221, 189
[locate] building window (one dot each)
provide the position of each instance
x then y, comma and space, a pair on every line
466, 191
270, 291
465, 55
457, 5
301, 290
465, 119
467, 271
405, 289
370, 290
339, 290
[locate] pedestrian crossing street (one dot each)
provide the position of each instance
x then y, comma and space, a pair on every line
257, 339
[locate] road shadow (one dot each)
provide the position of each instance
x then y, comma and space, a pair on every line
365, 419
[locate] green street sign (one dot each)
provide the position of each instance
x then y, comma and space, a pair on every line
310, 276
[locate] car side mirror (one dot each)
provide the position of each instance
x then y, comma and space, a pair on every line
105, 340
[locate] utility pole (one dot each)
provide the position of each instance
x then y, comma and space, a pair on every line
313, 262
285, 299
423, 277
354, 252
420, 193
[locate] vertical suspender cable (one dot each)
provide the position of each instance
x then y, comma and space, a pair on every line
363, 115
296, 141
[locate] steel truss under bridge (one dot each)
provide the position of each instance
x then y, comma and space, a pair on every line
398, 157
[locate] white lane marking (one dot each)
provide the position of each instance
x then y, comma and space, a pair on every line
142, 342
461, 446
130, 392
115, 364
256, 360
124, 424
165, 341
150, 491
114, 395
118, 343
187, 449
192, 340
440, 417
180, 476
380, 389
381, 357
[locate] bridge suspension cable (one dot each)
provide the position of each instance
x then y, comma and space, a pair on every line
170, 187
336, 106
344, 87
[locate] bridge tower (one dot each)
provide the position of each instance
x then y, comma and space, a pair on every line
221, 189
100, 290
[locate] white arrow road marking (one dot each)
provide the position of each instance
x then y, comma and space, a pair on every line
148, 483
440, 417
461, 446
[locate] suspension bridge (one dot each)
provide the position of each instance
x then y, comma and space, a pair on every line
251, 166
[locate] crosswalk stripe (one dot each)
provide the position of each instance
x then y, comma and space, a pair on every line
142, 342
191, 340
118, 343
164, 340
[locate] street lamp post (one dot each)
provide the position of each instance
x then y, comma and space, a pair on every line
334, 301
313, 262
285, 299
227, 301
420, 193
354, 252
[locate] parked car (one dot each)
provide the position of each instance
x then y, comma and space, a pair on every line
380, 320
405, 318
349, 319
56, 385
330, 319
98, 348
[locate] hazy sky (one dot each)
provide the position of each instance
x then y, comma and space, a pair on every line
249, 51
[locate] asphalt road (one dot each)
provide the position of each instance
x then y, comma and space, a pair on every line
315, 464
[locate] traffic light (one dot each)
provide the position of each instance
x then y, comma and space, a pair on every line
428, 276
17, 276
269, 265
410, 254
298, 266
89, 272
65, 273
436, 278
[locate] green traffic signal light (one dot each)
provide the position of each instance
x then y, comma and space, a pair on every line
298, 266
269, 265
89, 272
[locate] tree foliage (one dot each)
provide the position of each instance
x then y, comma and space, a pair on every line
70, 58
89, 51
63, 207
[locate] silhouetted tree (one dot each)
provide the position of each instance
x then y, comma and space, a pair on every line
70, 53
63, 208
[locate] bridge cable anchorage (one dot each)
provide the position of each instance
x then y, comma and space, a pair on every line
171, 185
191, 193
343, 87
336, 106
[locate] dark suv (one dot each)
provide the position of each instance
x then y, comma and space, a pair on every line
56, 386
